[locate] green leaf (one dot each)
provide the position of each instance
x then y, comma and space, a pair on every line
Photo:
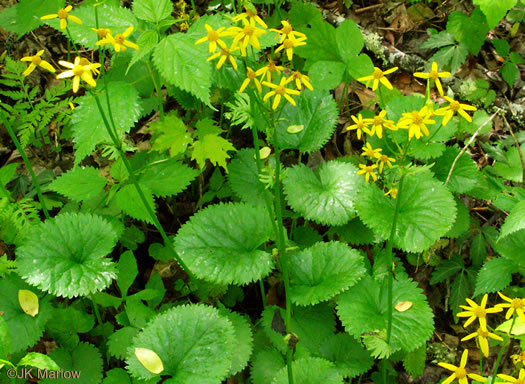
243, 340
127, 272
465, 175
355, 232
28, 13
322, 271
70, 320
184, 65
439, 40
310, 370
166, 177
495, 275
321, 42
66, 255
210, 145
88, 125
79, 183
447, 269
470, 31
360, 66
244, 178
265, 364
110, 16
137, 313
451, 57
515, 221
348, 355
510, 72
129, 201
317, 113
349, 40
511, 169
495, 10
363, 309
460, 289
25, 330
511, 247
221, 244
479, 118
146, 42
119, 341
462, 222
38, 360
414, 362
5, 339
170, 134
84, 362
106, 300
478, 249
326, 75
152, 10
303, 14
326, 195
502, 47
426, 212
116, 376
195, 344
313, 325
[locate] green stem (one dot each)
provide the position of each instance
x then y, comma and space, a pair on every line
151, 213
158, 89
72, 42
263, 293
36, 184
389, 256
502, 350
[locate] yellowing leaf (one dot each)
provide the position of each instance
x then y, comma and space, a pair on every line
28, 302
295, 128
403, 306
150, 360
264, 152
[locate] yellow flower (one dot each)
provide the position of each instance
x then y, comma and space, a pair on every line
512, 380
516, 304
63, 15
214, 37
378, 122
85, 62
378, 76
392, 192
224, 54
368, 170
460, 372
102, 32
416, 122
384, 159
299, 80
360, 126
287, 32
289, 44
119, 42
36, 61
251, 75
455, 106
434, 75
483, 336
78, 71
268, 69
278, 91
370, 152
519, 358
252, 15
249, 34
479, 312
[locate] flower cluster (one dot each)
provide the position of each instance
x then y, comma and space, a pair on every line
81, 68
417, 122
474, 311
270, 75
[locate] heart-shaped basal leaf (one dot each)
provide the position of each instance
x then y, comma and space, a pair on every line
317, 112
244, 177
194, 342
322, 271
221, 244
243, 340
25, 330
326, 195
65, 256
363, 309
310, 370
348, 355
426, 212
